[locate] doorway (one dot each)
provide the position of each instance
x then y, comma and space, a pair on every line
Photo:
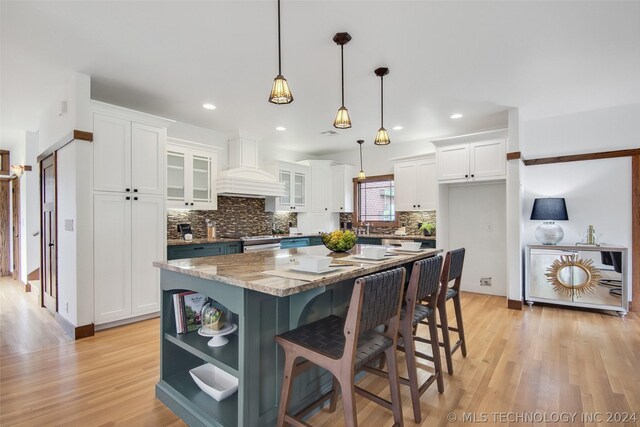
49, 235
5, 231
15, 225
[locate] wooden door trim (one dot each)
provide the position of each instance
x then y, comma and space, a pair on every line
15, 222
5, 229
581, 157
70, 137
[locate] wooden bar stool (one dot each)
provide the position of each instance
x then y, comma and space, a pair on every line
451, 271
420, 298
344, 346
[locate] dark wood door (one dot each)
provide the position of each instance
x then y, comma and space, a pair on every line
15, 226
49, 234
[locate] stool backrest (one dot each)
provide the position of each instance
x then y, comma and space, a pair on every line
452, 269
427, 272
381, 297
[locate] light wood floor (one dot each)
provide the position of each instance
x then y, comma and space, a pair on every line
541, 360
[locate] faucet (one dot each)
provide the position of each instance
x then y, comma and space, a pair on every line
367, 225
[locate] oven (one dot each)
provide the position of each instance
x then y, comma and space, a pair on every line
260, 243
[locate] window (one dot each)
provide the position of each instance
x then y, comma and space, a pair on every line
375, 201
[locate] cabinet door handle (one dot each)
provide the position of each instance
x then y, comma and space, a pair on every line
135, 190
198, 248
127, 198
51, 244
135, 198
127, 189
414, 206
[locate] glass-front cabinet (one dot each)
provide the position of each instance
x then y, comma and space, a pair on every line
296, 180
581, 276
191, 178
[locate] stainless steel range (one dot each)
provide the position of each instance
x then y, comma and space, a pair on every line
260, 243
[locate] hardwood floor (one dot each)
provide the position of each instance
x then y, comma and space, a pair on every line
543, 360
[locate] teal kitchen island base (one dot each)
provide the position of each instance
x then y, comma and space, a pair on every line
251, 355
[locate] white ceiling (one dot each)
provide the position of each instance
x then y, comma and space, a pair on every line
477, 58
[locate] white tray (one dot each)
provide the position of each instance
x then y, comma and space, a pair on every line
214, 381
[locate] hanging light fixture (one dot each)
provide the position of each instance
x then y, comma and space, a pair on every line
280, 93
361, 174
382, 137
342, 121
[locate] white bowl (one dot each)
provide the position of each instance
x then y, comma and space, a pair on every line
412, 246
314, 262
374, 252
214, 381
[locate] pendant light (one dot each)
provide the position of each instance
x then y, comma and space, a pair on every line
382, 137
280, 93
361, 174
342, 121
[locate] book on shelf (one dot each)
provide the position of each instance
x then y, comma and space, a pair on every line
192, 306
179, 310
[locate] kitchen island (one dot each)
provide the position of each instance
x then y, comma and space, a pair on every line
264, 296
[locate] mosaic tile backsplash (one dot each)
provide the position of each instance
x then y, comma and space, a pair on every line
235, 217
409, 219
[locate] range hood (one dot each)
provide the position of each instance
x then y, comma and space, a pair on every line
244, 178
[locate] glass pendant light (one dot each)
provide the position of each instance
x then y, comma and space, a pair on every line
382, 137
342, 121
280, 93
361, 174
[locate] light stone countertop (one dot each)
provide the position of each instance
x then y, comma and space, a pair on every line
181, 242
246, 270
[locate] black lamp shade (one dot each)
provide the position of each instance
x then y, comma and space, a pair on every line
550, 209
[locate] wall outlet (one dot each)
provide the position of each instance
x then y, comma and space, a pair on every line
485, 281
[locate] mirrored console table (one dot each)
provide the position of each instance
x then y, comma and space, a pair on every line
578, 275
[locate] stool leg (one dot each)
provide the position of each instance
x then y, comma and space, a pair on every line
394, 385
334, 395
435, 349
286, 387
348, 400
444, 324
412, 370
458, 309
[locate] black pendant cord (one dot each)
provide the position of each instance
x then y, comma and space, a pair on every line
279, 47
360, 157
342, 65
381, 101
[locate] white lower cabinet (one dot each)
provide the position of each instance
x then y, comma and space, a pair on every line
128, 237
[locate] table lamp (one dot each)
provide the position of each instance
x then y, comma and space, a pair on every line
549, 210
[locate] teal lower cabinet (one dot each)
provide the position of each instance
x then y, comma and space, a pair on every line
202, 250
428, 244
315, 241
296, 242
369, 240
251, 355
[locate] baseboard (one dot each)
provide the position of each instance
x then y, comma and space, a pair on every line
122, 322
514, 304
75, 332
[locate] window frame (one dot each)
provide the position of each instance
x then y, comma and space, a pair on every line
356, 204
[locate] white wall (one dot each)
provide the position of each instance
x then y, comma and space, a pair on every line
31, 190
597, 192
477, 217
54, 125
216, 140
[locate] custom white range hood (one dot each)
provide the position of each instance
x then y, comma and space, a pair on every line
244, 178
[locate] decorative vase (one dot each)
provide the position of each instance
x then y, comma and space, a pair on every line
549, 233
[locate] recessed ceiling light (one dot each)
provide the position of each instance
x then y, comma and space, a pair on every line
209, 106
456, 116
281, 128
398, 128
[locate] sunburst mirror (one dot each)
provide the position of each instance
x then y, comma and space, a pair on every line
571, 275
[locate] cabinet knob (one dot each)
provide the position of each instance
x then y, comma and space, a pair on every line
135, 198
127, 198
186, 203
127, 189
326, 209
466, 176
472, 175
340, 207
414, 206
418, 205
192, 204
135, 190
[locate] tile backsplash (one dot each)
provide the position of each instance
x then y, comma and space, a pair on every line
235, 217
409, 219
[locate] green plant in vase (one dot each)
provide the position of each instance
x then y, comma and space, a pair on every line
428, 228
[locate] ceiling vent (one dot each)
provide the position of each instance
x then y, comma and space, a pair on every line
329, 132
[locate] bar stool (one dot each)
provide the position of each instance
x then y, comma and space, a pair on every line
344, 346
452, 270
423, 286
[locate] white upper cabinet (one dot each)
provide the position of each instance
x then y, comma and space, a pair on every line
127, 156
191, 175
471, 161
297, 187
320, 186
415, 184
342, 188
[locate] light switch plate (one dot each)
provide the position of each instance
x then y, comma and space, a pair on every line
68, 225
